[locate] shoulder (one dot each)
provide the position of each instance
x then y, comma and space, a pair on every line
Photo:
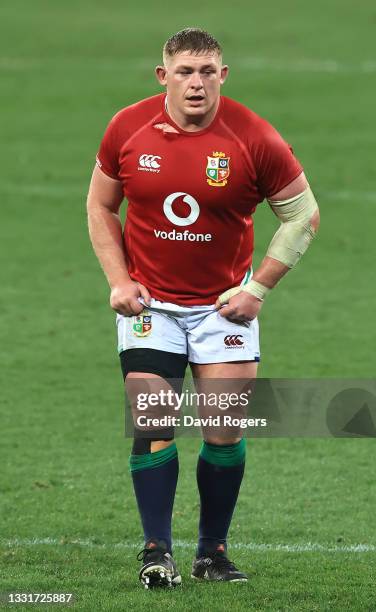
246, 122
133, 117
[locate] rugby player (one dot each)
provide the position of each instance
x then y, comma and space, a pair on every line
193, 166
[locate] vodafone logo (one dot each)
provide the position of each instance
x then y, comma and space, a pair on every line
234, 341
194, 213
188, 199
150, 163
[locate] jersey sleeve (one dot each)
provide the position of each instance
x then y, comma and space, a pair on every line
108, 155
276, 164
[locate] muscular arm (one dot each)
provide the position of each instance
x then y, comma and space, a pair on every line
105, 230
242, 305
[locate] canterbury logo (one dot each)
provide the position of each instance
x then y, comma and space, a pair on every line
149, 162
233, 341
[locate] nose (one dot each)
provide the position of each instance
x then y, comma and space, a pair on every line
196, 81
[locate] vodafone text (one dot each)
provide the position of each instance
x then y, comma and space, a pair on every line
186, 235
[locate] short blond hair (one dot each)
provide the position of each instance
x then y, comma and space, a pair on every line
193, 40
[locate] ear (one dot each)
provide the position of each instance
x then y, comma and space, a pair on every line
161, 74
224, 73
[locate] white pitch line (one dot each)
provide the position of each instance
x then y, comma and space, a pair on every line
308, 65
248, 546
64, 190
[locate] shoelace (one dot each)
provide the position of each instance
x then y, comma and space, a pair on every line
147, 551
222, 562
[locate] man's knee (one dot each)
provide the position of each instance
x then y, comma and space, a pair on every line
149, 371
220, 441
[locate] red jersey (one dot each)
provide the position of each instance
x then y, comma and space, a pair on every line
188, 235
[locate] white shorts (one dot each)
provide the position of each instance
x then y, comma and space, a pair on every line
197, 331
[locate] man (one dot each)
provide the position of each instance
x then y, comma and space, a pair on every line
193, 166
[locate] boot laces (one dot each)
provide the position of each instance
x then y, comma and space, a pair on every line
222, 562
155, 550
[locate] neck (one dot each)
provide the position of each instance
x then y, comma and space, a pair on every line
191, 123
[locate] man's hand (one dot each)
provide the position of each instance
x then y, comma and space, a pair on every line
241, 307
124, 298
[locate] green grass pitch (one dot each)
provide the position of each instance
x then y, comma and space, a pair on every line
68, 517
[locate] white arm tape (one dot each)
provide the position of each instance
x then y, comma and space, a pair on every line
293, 237
290, 241
252, 287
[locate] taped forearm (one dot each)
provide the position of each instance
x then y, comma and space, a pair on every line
290, 241
296, 232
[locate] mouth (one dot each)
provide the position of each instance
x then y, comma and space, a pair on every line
195, 99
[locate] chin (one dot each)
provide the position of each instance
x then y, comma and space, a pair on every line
198, 110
